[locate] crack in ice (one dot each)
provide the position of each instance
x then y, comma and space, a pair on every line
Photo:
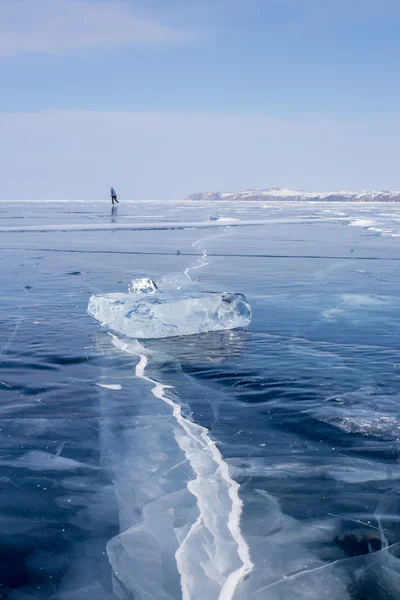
198, 436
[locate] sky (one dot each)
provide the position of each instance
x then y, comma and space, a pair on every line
162, 98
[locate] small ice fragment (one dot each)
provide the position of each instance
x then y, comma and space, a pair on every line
142, 286
110, 386
171, 314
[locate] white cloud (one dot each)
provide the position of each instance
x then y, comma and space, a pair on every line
66, 26
78, 154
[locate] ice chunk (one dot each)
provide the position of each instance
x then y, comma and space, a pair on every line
110, 386
142, 286
170, 314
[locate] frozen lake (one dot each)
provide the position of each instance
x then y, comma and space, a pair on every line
240, 465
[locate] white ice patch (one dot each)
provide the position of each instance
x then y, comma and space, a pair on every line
361, 421
110, 386
364, 300
364, 412
384, 231
331, 313
357, 305
383, 226
362, 223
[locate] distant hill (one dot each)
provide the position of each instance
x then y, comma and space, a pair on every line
277, 194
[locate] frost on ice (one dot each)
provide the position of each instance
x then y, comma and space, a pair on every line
144, 314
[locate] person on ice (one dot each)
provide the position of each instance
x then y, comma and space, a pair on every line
114, 196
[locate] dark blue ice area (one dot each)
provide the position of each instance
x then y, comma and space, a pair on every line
304, 404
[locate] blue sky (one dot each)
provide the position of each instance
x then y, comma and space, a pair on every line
162, 98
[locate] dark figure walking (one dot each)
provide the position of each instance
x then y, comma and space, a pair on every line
114, 196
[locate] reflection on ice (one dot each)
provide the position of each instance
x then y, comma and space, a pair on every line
212, 347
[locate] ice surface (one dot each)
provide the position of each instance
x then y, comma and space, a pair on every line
170, 314
286, 404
